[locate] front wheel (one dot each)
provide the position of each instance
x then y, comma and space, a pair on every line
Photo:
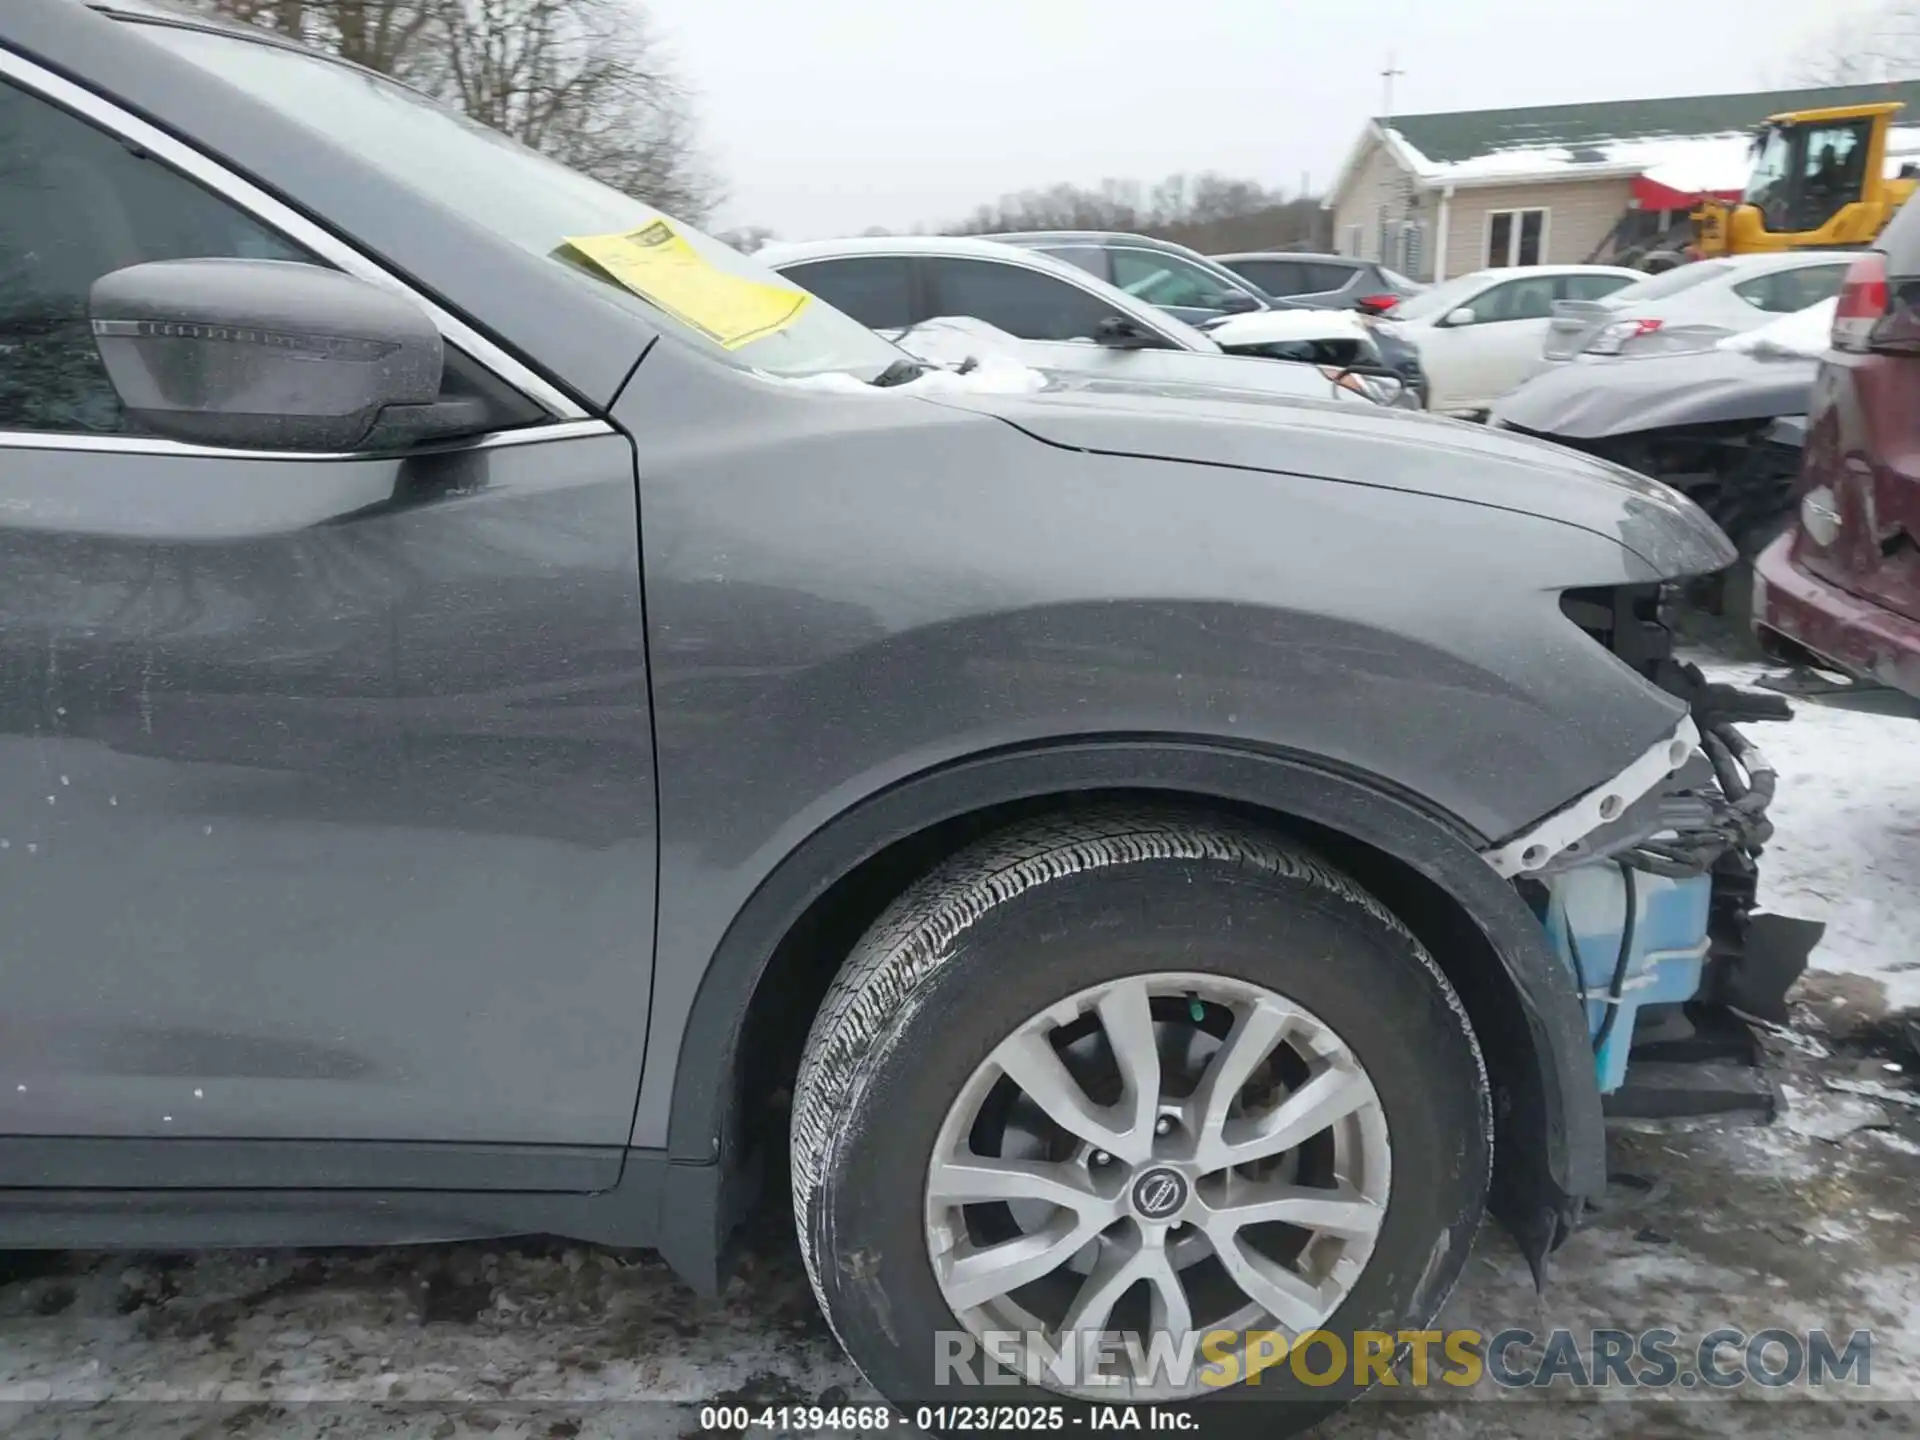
1123, 1105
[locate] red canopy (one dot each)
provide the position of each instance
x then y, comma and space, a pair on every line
1652, 195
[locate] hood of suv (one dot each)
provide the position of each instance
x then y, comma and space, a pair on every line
1387, 449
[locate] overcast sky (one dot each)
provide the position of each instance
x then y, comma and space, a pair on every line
828, 116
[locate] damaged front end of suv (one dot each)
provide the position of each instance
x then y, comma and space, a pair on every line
1647, 889
1523, 630
1648, 886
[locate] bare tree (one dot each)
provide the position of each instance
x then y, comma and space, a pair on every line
584, 81
385, 35
1865, 44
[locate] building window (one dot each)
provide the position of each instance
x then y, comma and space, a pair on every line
1350, 242
1516, 237
1412, 248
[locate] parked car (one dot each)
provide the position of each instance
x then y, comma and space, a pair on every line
500, 692
1233, 311
1723, 427
1692, 306
1335, 281
1843, 584
1068, 322
1481, 334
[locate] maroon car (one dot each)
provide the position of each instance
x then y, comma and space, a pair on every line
1844, 582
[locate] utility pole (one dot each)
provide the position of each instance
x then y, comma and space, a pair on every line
1387, 77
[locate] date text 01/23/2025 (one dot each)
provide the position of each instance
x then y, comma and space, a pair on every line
865, 1419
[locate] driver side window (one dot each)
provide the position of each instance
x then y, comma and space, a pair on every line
76, 204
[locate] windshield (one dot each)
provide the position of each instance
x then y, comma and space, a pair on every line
1768, 182
1231, 281
1670, 282
539, 204
1440, 299
1172, 280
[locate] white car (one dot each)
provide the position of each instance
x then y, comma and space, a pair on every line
1481, 334
1066, 321
1692, 306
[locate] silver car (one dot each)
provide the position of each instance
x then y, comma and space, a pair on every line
1692, 306
1068, 323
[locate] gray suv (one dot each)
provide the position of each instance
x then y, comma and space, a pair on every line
513, 717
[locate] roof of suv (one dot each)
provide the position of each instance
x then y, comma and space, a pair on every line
786, 252
1311, 256
1029, 238
1787, 260
1515, 272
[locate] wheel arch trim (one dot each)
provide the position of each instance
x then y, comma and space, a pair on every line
1440, 849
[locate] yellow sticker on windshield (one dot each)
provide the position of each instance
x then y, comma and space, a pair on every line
657, 263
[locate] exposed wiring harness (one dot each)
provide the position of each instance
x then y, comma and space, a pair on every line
1731, 815
1738, 811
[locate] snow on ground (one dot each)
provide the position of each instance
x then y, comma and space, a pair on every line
1706, 1224
1846, 848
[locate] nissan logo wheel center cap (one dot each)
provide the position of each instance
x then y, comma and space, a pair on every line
1159, 1194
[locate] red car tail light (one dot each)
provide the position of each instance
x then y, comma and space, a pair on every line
1614, 338
1863, 303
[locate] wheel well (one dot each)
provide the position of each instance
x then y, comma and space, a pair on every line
790, 989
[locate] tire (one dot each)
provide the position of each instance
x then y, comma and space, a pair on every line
1113, 902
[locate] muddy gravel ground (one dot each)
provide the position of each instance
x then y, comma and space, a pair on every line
1802, 1223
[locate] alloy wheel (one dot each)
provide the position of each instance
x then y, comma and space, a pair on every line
1148, 1161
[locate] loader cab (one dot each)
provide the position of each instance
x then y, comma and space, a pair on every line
1804, 174
1816, 181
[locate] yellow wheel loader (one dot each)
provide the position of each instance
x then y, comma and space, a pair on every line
1819, 181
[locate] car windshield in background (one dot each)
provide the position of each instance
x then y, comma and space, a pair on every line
1670, 282
1165, 287
530, 200
1440, 299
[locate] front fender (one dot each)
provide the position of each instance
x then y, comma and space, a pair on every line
845, 592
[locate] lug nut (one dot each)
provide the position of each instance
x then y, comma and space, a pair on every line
1100, 1157
1163, 1125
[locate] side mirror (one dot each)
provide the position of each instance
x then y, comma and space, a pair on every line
1236, 302
1377, 383
1119, 332
1462, 316
261, 354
